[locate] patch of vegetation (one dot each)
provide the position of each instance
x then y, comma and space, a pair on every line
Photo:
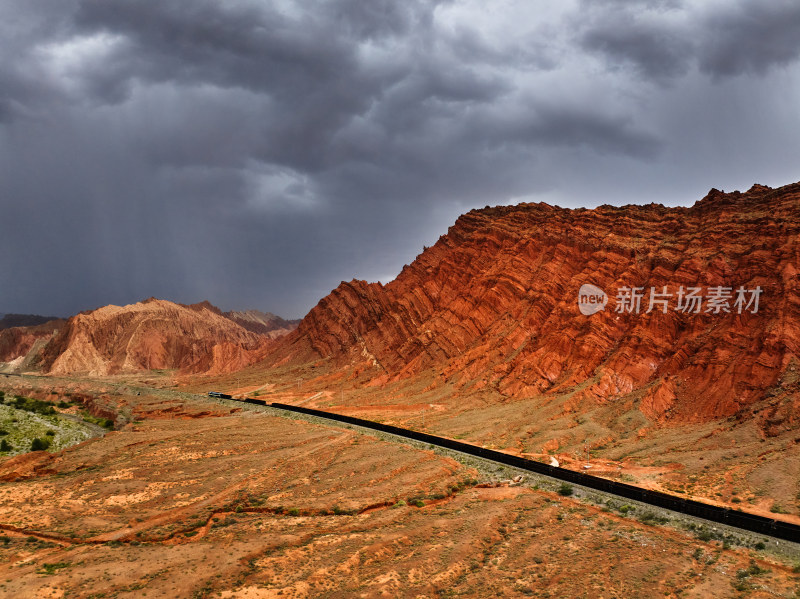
22, 426
39, 444
651, 518
104, 422
294, 512
705, 535
742, 583
32, 405
565, 490
777, 509
53, 568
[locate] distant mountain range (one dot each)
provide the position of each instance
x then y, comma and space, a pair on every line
153, 334
8, 321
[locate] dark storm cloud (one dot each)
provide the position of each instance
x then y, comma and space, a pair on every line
256, 153
751, 37
663, 40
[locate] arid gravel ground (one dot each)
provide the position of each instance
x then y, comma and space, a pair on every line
191, 498
731, 462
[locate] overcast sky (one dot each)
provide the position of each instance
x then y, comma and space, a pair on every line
257, 153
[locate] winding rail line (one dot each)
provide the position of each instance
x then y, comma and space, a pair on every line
746, 521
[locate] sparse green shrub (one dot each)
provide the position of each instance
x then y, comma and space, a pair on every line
50, 433
760, 546
5, 446
32, 405
104, 422
652, 518
294, 512
705, 536
565, 490
53, 568
419, 503
39, 444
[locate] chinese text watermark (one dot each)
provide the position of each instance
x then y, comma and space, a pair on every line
686, 300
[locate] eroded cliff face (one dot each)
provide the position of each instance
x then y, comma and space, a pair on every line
494, 303
154, 334
17, 342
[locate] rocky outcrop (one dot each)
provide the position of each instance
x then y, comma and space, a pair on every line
17, 343
494, 304
154, 334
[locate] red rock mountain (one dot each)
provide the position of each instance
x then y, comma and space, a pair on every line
494, 304
153, 334
17, 342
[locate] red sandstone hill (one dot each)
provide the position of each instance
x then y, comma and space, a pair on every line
153, 334
493, 304
17, 342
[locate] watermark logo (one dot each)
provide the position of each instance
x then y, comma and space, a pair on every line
591, 299
686, 300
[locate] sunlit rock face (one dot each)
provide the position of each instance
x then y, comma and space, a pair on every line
154, 334
495, 303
